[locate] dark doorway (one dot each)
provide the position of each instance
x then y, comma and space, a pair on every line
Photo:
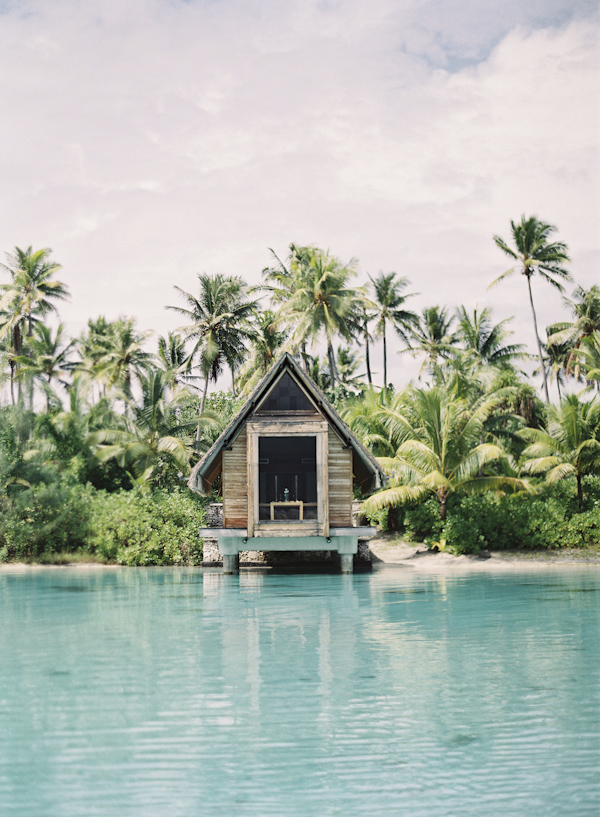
287, 478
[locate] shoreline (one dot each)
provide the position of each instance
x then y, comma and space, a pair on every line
393, 550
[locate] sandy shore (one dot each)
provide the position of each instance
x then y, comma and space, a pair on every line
391, 549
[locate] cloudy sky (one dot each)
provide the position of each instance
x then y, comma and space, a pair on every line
150, 140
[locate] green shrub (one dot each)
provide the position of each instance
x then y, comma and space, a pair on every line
423, 522
138, 528
550, 520
127, 527
496, 521
44, 519
379, 519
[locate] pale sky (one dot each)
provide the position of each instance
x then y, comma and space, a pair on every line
148, 141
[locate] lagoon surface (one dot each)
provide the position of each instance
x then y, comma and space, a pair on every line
181, 692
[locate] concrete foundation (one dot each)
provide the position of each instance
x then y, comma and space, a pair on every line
227, 544
231, 562
346, 562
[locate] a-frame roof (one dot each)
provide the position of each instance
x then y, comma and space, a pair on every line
367, 469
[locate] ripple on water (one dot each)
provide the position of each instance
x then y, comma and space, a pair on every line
179, 692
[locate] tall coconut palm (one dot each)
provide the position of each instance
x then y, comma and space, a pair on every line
556, 361
534, 252
348, 362
124, 357
440, 450
28, 296
175, 361
585, 309
282, 282
91, 347
433, 335
266, 345
321, 303
361, 315
589, 355
366, 416
150, 431
571, 445
388, 309
484, 340
47, 359
219, 325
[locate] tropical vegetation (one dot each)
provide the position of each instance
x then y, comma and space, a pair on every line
98, 433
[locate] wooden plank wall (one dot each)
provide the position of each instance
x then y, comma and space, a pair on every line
340, 483
235, 484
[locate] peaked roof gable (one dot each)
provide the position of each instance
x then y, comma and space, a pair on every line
206, 469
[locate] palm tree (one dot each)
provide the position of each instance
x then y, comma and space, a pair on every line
348, 362
219, 324
123, 357
556, 361
440, 450
589, 355
571, 445
6, 363
317, 368
433, 335
151, 431
388, 308
28, 296
175, 361
266, 346
585, 308
47, 359
281, 282
484, 340
359, 319
535, 253
366, 416
321, 302
91, 348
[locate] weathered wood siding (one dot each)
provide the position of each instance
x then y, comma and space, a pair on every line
340, 483
235, 484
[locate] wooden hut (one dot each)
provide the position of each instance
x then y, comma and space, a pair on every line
288, 464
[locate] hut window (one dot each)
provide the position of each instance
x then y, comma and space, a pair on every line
286, 396
287, 478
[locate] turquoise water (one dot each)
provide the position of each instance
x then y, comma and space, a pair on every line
182, 692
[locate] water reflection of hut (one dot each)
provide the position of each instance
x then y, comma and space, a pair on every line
288, 465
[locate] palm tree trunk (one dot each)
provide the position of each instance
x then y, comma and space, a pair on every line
233, 381
384, 359
48, 393
304, 359
368, 359
537, 337
579, 491
443, 501
12, 381
199, 427
17, 348
332, 366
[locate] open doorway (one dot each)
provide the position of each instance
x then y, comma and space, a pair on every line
287, 478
